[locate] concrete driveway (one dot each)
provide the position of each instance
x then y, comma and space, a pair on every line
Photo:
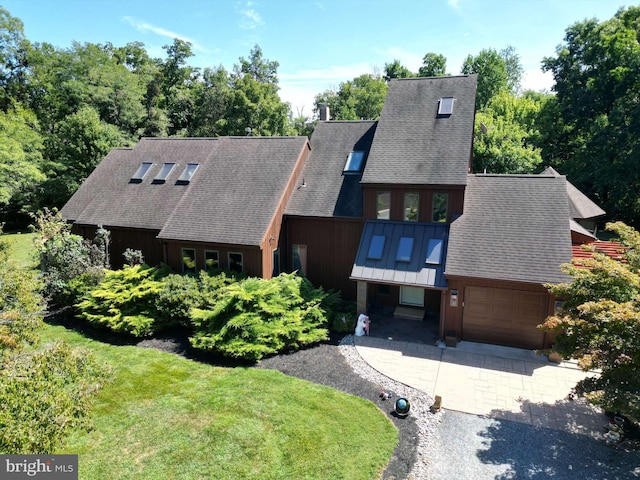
488, 380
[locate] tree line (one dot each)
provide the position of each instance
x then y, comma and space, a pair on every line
63, 109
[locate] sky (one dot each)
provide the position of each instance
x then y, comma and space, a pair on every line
318, 43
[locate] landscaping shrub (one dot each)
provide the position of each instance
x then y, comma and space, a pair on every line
178, 295
44, 395
343, 317
125, 300
254, 317
64, 257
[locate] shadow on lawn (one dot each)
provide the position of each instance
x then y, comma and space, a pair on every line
538, 452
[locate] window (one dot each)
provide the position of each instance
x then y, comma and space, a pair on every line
164, 173
188, 260
434, 251
439, 209
405, 248
141, 172
276, 262
187, 173
384, 205
376, 247
211, 259
300, 258
411, 207
354, 162
235, 262
413, 296
445, 107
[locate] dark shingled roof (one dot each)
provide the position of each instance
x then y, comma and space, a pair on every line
386, 269
413, 144
580, 206
231, 198
514, 227
326, 191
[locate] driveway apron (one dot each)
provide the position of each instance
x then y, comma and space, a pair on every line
493, 381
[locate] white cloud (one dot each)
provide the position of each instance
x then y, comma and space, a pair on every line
455, 4
251, 18
145, 27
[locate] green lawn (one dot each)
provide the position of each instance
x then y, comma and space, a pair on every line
22, 250
167, 417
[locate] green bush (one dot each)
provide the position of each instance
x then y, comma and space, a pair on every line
254, 317
44, 395
125, 300
178, 295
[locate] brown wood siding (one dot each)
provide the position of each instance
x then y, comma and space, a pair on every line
122, 238
370, 195
332, 245
251, 256
501, 312
271, 239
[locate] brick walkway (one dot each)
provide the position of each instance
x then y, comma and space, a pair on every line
499, 382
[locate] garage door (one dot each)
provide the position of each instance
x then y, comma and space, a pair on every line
504, 317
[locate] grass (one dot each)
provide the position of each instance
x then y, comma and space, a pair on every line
164, 416
22, 250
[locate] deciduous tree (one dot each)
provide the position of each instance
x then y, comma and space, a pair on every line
600, 324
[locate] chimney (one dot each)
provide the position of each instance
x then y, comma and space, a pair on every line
324, 112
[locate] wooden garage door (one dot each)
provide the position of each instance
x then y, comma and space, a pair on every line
504, 317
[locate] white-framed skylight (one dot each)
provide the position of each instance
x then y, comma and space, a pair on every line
141, 172
405, 248
354, 162
187, 173
164, 172
434, 251
376, 247
445, 106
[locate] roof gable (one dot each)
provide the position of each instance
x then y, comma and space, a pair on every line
414, 144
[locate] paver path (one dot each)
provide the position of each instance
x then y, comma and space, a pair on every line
498, 382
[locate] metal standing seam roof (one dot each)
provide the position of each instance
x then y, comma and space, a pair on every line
514, 227
326, 191
231, 198
386, 269
413, 144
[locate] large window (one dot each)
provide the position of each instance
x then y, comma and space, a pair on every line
440, 207
188, 260
235, 262
411, 200
211, 259
187, 173
300, 258
384, 205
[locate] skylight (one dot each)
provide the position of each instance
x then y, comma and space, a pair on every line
188, 172
434, 251
445, 106
376, 247
354, 162
405, 247
164, 173
141, 172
